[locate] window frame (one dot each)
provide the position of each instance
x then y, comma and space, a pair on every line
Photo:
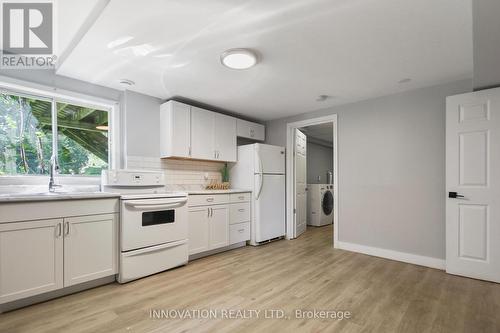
54, 96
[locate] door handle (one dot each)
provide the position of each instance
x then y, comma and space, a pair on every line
58, 230
455, 195
66, 227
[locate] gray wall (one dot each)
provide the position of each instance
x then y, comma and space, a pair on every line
139, 114
319, 161
486, 37
142, 124
391, 168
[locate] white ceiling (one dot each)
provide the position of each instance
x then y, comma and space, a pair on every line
349, 49
71, 16
323, 133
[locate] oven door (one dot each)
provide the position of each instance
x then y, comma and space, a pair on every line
148, 222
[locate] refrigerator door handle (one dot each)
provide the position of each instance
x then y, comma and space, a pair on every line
261, 183
260, 171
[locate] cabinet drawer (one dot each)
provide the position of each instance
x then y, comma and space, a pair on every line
241, 197
239, 232
240, 212
207, 199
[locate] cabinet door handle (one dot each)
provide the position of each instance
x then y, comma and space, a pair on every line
66, 227
241, 230
241, 198
58, 229
208, 212
241, 210
211, 212
210, 199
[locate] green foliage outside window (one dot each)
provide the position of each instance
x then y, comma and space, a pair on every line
26, 137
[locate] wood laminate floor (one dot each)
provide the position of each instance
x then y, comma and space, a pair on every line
306, 273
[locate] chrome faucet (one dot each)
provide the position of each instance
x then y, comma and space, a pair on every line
54, 168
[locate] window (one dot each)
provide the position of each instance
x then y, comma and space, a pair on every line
25, 141
27, 136
83, 147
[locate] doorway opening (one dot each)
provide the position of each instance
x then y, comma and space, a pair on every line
312, 176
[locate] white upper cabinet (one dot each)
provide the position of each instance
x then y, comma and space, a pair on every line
225, 138
190, 132
202, 134
249, 130
175, 130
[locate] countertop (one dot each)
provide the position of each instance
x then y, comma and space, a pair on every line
48, 196
233, 190
54, 196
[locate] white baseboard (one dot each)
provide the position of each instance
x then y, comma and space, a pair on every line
393, 255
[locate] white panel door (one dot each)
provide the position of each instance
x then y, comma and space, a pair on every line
269, 208
269, 159
202, 134
198, 229
300, 182
90, 248
219, 226
31, 258
225, 138
473, 185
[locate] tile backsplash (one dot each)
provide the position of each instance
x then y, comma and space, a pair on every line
180, 174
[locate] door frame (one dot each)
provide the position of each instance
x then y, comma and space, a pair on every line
290, 193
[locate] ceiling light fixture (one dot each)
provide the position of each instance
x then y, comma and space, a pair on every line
126, 82
405, 80
239, 58
322, 98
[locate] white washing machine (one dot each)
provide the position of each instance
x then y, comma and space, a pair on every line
319, 204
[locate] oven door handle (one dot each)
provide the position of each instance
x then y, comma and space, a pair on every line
148, 204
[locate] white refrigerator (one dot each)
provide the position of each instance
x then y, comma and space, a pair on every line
261, 169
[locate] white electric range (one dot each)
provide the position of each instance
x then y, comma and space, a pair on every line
153, 222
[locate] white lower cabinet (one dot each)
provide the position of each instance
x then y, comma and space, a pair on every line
219, 225
208, 228
218, 220
45, 255
239, 232
90, 248
198, 229
31, 258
